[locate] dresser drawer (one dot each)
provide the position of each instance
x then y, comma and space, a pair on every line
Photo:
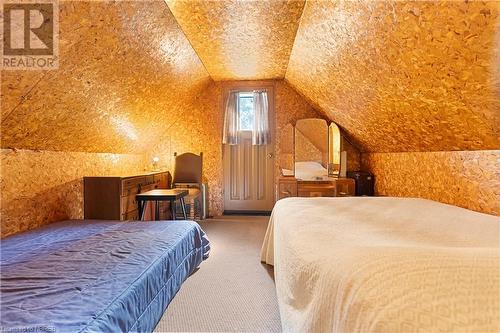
287, 189
147, 188
316, 190
149, 180
132, 215
161, 180
132, 185
345, 187
128, 204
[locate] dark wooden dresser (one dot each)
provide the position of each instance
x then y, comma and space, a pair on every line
113, 198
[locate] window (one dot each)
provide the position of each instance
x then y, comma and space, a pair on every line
246, 110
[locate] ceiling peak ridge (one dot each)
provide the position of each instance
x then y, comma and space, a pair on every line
189, 41
295, 38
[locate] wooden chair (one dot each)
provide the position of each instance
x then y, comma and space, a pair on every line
188, 175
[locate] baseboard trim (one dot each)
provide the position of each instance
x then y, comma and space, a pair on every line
248, 212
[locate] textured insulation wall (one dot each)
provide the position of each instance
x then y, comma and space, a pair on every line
240, 40
126, 73
469, 179
403, 75
199, 130
353, 155
39, 187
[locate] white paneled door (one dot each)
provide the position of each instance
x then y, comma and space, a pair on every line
248, 176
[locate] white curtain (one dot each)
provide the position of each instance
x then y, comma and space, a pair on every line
261, 134
231, 119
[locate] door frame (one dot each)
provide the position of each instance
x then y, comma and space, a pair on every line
269, 85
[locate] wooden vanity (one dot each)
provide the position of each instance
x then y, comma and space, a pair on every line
311, 160
333, 187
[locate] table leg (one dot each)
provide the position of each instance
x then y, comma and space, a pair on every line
141, 204
172, 209
183, 206
157, 210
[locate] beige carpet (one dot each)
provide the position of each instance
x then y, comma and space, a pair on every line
232, 291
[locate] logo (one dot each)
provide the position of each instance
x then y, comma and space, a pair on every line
30, 35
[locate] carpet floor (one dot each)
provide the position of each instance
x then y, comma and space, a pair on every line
232, 291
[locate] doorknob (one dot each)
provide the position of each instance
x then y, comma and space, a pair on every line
270, 155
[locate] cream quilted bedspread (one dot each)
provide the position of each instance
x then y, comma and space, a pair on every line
366, 264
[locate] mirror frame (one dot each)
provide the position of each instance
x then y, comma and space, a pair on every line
334, 150
334, 146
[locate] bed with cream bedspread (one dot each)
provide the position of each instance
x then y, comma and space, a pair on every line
366, 264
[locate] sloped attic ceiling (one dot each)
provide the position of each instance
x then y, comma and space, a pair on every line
240, 40
403, 76
398, 76
127, 72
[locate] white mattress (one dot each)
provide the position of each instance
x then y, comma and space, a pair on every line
365, 264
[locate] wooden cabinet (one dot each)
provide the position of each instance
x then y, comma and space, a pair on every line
316, 189
335, 187
113, 198
345, 187
287, 187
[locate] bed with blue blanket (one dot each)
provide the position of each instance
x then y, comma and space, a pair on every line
96, 276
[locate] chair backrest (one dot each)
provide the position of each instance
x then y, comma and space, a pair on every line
188, 168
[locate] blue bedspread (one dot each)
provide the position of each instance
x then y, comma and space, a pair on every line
96, 276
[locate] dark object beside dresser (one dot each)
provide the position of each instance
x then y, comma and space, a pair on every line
364, 182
